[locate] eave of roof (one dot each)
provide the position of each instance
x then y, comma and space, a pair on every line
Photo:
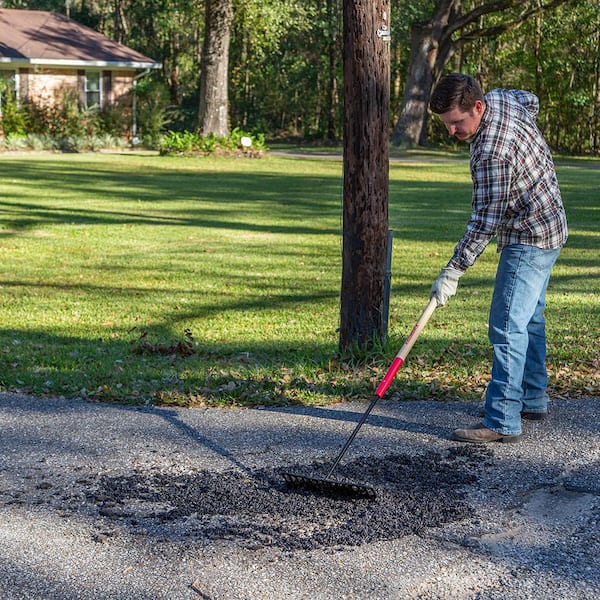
79, 63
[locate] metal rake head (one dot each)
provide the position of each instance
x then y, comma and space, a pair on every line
329, 486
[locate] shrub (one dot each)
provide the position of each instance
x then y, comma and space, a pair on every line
14, 119
13, 141
89, 143
114, 120
178, 142
152, 99
61, 127
238, 142
40, 142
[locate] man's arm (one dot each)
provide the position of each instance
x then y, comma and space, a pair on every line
491, 193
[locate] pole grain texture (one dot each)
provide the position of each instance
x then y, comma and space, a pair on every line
366, 24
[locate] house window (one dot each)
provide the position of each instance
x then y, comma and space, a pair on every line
93, 89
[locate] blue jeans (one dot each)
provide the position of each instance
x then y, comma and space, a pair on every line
517, 332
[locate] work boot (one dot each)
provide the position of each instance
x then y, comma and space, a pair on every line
479, 434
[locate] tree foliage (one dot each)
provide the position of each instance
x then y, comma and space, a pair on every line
285, 63
447, 29
558, 56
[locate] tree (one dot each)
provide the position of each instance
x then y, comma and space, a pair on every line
330, 129
285, 59
171, 31
281, 49
214, 105
366, 140
434, 41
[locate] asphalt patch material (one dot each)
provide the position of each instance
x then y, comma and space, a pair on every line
259, 509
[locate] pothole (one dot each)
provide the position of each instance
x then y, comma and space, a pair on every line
258, 509
559, 506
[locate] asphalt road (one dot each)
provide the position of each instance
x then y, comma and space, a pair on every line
102, 501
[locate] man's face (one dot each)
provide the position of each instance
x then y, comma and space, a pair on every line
463, 125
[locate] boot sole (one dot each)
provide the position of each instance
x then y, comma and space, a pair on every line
505, 439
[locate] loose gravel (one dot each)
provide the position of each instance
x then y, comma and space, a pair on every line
106, 501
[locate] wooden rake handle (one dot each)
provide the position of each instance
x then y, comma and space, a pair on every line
406, 348
387, 380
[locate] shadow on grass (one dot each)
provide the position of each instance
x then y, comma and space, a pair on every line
193, 194
246, 201
116, 368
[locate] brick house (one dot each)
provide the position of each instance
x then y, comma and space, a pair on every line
43, 55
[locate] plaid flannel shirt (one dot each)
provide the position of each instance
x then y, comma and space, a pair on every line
515, 191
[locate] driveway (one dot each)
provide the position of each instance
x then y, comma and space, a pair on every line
101, 501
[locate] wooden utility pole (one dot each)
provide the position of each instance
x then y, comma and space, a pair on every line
366, 171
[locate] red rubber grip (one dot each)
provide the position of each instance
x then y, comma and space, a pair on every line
389, 376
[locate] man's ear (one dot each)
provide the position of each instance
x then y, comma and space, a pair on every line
479, 107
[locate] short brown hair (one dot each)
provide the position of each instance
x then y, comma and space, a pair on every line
455, 91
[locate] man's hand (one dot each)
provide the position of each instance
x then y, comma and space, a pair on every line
445, 286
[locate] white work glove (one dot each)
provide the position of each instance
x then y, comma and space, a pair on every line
445, 286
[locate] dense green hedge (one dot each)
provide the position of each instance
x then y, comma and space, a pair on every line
238, 142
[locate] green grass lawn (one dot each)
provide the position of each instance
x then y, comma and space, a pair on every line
139, 278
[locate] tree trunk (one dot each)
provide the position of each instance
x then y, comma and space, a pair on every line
595, 121
432, 45
332, 56
173, 78
430, 51
213, 108
121, 28
366, 172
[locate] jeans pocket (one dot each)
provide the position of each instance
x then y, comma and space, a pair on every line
541, 260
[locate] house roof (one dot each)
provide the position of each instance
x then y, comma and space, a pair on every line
36, 37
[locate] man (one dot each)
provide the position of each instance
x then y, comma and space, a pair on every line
517, 199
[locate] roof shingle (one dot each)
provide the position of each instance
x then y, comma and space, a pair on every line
42, 37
